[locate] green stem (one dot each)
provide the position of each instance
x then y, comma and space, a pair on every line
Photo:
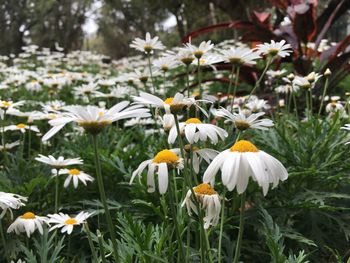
29, 142
56, 190
221, 225
268, 63
230, 83
235, 87
323, 95
199, 77
104, 199
91, 244
240, 231
311, 106
3, 238
188, 80
150, 72
174, 214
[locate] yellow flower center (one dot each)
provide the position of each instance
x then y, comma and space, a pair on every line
70, 221
6, 104
242, 125
169, 101
21, 126
101, 113
73, 171
244, 146
28, 215
166, 156
148, 48
204, 189
273, 51
193, 120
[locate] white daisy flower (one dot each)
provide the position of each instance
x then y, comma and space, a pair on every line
170, 105
21, 127
74, 175
147, 45
243, 121
256, 105
53, 105
86, 89
94, 119
334, 106
28, 222
199, 155
168, 121
273, 48
185, 56
195, 131
165, 63
160, 164
307, 82
199, 51
66, 222
208, 199
240, 56
244, 160
58, 163
10, 201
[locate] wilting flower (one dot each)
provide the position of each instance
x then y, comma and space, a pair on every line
307, 82
199, 155
240, 56
28, 222
273, 48
243, 121
244, 160
168, 121
58, 163
195, 131
94, 119
74, 175
160, 164
208, 199
21, 127
66, 222
10, 201
147, 45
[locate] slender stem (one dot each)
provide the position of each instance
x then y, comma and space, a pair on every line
222, 219
311, 107
91, 244
177, 227
104, 199
199, 77
323, 95
208, 246
4, 139
235, 87
268, 63
240, 231
230, 83
56, 190
188, 80
150, 71
295, 105
3, 238
29, 142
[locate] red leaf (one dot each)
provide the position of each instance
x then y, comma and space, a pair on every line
304, 21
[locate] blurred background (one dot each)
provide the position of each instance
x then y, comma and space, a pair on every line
108, 26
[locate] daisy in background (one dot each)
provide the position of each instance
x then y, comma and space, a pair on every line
243, 122
208, 199
307, 82
162, 162
242, 161
28, 222
199, 155
10, 201
240, 56
198, 51
254, 104
94, 119
8, 106
147, 45
74, 175
85, 91
58, 163
336, 106
66, 222
194, 131
184, 56
170, 105
22, 128
274, 49
165, 63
